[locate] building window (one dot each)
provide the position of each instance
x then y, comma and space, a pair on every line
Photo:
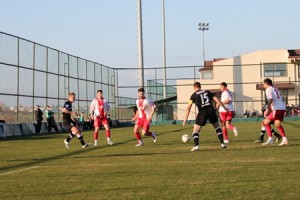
298, 70
207, 74
275, 70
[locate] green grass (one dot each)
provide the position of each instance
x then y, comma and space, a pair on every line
40, 167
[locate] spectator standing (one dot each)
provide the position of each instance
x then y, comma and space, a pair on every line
38, 115
50, 119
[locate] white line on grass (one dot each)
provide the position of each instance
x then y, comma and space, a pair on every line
20, 170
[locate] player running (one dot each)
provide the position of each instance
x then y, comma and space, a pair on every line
146, 109
69, 124
275, 112
226, 116
98, 111
203, 101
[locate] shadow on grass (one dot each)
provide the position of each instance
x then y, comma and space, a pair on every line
34, 162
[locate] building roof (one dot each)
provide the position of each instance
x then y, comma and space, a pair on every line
282, 86
295, 53
209, 64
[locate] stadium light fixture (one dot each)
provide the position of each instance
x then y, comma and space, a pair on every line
203, 27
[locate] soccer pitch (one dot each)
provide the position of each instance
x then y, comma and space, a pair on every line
40, 167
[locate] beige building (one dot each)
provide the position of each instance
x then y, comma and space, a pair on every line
244, 75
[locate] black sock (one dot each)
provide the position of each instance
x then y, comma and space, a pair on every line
80, 138
261, 137
275, 133
220, 134
71, 135
196, 139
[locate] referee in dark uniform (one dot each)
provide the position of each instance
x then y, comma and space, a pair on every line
69, 123
203, 100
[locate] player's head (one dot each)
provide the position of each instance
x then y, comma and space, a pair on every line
71, 97
197, 86
223, 86
267, 83
99, 93
141, 92
37, 107
48, 107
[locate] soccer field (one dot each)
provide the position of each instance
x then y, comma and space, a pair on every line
40, 167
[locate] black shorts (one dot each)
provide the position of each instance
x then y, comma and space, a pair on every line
68, 124
206, 113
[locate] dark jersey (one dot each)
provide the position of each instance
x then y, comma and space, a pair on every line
68, 106
202, 98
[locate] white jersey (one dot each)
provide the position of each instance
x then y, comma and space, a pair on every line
277, 101
145, 107
226, 95
99, 106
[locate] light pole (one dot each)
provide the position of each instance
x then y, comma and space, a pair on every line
203, 27
164, 52
66, 84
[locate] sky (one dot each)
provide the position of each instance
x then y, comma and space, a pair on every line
105, 31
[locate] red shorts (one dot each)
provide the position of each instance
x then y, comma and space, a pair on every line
100, 120
276, 115
226, 116
143, 123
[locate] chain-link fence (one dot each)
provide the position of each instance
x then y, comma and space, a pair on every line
34, 74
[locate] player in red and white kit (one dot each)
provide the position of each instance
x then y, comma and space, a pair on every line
146, 109
275, 112
226, 116
98, 111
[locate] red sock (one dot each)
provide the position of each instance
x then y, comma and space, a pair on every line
138, 136
148, 133
225, 133
107, 133
268, 129
230, 126
96, 135
281, 131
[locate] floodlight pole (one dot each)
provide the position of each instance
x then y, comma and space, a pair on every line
203, 27
164, 52
140, 44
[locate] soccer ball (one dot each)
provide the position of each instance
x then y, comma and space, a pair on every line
185, 138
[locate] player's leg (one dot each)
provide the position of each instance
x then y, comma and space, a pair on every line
96, 130
224, 128
146, 132
138, 135
262, 133
214, 121
279, 115
68, 127
107, 132
219, 133
268, 129
75, 130
229, 124
196, 136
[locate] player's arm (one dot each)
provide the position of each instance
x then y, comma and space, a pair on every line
153, 109
92, 108
218, 101
135, 115
268, 110
63, 109
187, 112
107, 107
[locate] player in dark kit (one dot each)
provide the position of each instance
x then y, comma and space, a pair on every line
69, 124
203, 101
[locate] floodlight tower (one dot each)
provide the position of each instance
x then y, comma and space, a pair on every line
164, 52
140, 44
203, 27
